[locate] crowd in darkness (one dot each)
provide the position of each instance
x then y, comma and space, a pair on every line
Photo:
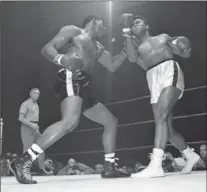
170, 164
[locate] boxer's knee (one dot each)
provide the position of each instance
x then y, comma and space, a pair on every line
161, 116
111, 124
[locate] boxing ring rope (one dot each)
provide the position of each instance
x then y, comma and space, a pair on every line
148, 96
141, 122
135, 123
147, 121
120, 149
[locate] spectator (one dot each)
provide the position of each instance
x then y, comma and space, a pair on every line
98, 168
203, 152
168, 163
49, 166
171, 164
5, 171
138, 166
127, 169
201, 164
75, 168
58, 166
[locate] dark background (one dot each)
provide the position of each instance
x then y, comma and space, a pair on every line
27, 26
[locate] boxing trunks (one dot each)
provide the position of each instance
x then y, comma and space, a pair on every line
164, 74
74, 84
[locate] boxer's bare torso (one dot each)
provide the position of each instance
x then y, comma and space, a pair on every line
153, 50
84, 47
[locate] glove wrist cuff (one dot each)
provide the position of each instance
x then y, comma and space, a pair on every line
57, 59
126, 30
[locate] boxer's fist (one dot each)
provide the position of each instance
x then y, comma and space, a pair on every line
71, 61
126, 23
126, 20
182, 43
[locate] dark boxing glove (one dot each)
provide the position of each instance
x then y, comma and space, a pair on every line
71, 61
126, 23
182, 43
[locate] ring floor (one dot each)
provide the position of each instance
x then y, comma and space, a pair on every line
172, 182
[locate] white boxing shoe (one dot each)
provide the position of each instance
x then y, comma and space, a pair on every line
154, 169
150, 172
191, 159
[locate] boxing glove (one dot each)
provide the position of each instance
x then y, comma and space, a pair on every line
182, 43
126, 23
71, 61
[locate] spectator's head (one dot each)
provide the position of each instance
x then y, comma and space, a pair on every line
138, 167
13, 156
8, 154
72, 163
167, 163
49, 164
34, 94
203, 151
169, 155
124, 168
98, 168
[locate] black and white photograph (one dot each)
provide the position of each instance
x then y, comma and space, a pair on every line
103, 96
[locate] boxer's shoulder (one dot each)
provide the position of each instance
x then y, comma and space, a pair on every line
70, 28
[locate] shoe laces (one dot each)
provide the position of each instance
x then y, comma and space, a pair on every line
26, 170
115, 162
151, 156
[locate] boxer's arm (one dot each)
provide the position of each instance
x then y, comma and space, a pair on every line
112, 63
66, 33
85, 169
64, 171
183, 51
131, 49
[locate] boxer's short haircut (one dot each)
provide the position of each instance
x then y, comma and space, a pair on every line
89, 18
140, 17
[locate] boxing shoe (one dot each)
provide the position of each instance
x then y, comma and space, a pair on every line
112, 170
191, 159
20, 167
150, 172
154, 169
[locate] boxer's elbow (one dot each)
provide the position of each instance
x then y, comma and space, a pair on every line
45, 50
132, 60
132, 57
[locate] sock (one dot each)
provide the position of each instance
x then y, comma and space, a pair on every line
34, 151
110, 157
157, 157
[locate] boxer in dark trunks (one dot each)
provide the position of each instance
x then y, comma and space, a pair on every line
76, 51
155, 54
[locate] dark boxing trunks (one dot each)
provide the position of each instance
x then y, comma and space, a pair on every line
74, 84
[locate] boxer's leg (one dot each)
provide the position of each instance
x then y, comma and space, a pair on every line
177, 140
99, 113
71, 111
162, 109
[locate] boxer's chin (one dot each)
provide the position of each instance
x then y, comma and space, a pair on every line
136, 31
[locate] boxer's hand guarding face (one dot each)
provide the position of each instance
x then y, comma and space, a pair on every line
126, 23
